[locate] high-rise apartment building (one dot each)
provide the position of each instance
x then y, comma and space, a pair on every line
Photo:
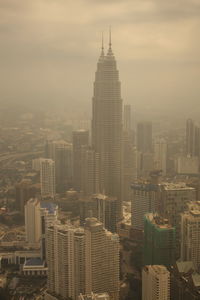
159, 241
65, 253
82, 260
102, 259
155, 283
107, 126
190, 234
47, 178
80, 142
33, 221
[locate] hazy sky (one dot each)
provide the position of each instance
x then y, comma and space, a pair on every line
49, 50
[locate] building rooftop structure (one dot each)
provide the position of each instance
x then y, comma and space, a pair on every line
176, 186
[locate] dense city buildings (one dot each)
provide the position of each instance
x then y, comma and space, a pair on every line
155, 283
107, 126
159, 241
105, 211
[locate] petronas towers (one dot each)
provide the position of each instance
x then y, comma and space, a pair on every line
107, 127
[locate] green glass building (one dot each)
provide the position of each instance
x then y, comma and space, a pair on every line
159, 241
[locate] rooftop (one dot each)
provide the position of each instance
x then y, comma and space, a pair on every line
35, 261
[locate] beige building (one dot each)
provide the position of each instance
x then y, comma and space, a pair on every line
190, 234
155, 283
102, 259
65, 252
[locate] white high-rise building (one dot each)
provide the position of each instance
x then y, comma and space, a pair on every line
155, 283
190, 234
101, 259
33, 221
107, 127
47, 177
65, 253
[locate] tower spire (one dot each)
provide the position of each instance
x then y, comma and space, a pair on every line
110, 38
102, 48
110, 53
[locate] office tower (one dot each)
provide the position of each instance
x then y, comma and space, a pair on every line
144, 137
80, 140
173, 202
190, 234
24, 191
192, 139
93, 296
155, 283
65, 253
102, 259
159, 241
127, 118
160, 155
106, 211
32, 221
48, 217
107, 126
61, 153
47, 177
145, 198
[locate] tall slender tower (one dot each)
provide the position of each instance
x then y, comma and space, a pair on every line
107, 126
